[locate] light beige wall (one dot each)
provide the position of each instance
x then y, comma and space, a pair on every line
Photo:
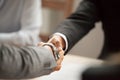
89, 46
51, 18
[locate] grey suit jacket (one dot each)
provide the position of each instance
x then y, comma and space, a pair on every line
25, 62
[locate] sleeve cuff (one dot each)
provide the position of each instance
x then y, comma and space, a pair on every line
64, 37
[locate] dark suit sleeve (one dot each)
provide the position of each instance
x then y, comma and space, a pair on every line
79, 23
25, 62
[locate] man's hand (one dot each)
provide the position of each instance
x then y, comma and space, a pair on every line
58, 41
59, 61
61, 55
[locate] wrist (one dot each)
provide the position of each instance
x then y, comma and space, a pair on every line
53, 49
60, 40
64, 41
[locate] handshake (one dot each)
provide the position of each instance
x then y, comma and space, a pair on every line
56, 44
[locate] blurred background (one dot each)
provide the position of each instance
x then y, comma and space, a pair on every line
21, 26
55, 11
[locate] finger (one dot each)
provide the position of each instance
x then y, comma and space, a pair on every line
59, 61
55, 40
61, 51
40, 44
51, 40
57, 43
57, 68
60, 54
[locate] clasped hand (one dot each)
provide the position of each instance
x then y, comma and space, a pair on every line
55, 40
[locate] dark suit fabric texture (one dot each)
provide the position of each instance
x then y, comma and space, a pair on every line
84, 18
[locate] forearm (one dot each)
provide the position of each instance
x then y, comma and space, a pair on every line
30, 62
79, 23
